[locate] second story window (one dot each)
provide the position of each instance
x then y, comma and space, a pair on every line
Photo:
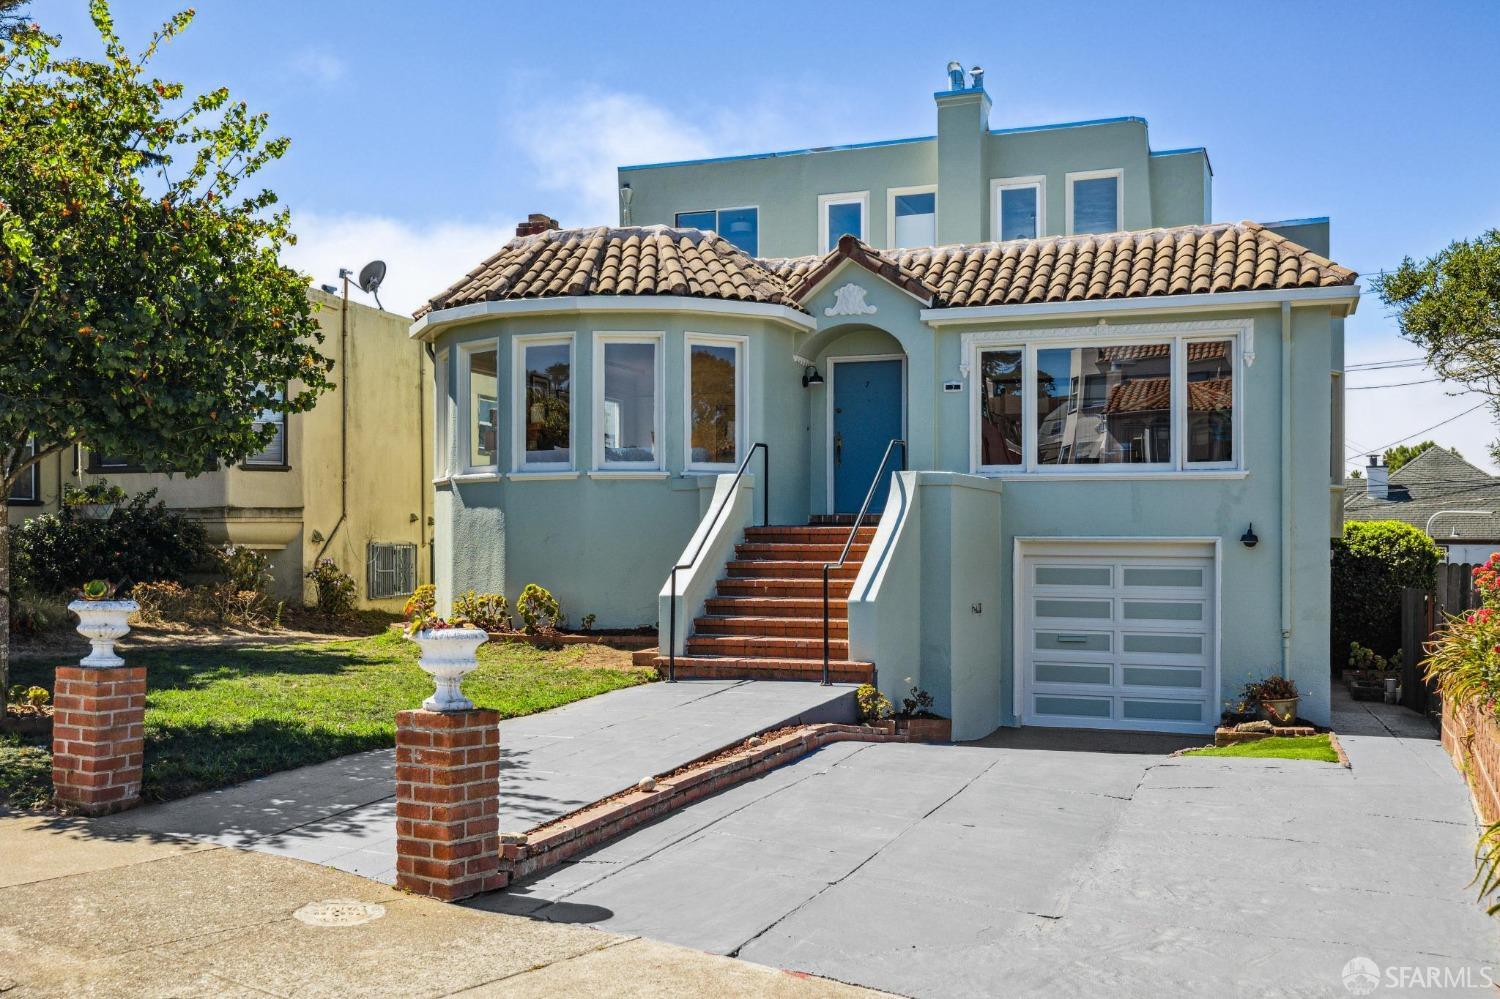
1018, 208
1094, 202
840, 214
741, 226
27, 488
273, 455
913, 215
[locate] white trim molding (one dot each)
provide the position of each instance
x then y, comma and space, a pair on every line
1347, 295
741, 345
1070, 179
466, 416
657, 341
428, 327
849, 300
826, 201
1000, 184
518, 463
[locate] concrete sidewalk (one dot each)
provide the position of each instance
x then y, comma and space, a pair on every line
343, 813
85, 912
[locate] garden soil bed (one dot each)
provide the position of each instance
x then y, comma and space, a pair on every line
27, 722
629, 640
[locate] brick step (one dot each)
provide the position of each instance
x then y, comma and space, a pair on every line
799, 552
797, 535
782, 586
775, 607
738, 668
768, 647
792, 627
789, 569
844, 520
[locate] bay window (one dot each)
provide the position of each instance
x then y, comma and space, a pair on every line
1107, 402
543, 393
480, 387
715, 409
627, 402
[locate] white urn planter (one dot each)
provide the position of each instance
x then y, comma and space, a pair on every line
102, 622
449, 654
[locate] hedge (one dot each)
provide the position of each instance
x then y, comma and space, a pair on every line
1372, 563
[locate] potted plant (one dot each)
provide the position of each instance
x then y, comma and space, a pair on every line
95, 501
102, 620
449, 653
1277, 696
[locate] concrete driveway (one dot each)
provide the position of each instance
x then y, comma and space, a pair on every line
1039, 867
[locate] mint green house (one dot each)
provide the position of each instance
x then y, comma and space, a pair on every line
1096, 434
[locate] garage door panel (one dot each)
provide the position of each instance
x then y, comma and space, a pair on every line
1123, 641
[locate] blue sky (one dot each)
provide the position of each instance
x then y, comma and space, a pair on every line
422, 131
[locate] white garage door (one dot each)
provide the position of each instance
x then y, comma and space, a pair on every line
1119, 641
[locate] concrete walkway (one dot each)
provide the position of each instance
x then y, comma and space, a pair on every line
343, 814
1044, 869
88, 913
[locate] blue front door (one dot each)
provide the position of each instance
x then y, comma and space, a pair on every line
866, 418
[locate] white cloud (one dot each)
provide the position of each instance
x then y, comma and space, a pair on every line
1376, 418
576, 144
421, 260
320, 65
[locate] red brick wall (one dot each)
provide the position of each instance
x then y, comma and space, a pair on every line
1472, 738
447, 803
98, 738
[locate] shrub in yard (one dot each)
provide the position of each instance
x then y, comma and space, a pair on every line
25, 774
333, 588
539, 610
421, 603
37, 613
223, 603
142, 540
162, 602
244, 568
1372, 563
483, 610
871, 703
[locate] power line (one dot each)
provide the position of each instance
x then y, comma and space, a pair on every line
1440, 423
1365, 388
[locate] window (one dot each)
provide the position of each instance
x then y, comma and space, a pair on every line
1104, 405
390, 570
741, 226
1210, 401
1018, 207
1143, 399
273, 455
913, 216
442, 410
714, 410
627, 402
1094, 202
839, 214
27, 489
481, 398
544, 397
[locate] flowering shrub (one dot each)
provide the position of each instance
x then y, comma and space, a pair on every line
334, 588
423, 601
1464, 662
538, 608
245, 568
873, 705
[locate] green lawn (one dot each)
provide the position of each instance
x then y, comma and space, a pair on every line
217, 716
1297, 747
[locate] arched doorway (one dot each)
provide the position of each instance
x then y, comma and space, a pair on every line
864, 408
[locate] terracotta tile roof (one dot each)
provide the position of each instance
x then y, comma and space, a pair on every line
1141, 395
658, 260
633, 260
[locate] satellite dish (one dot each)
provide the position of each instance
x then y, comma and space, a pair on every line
370, 276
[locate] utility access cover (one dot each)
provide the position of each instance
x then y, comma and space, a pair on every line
339, 912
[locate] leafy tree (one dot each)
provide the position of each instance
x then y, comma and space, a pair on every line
1399, 455
1449, 305
144, 311
1372, 563
12, 17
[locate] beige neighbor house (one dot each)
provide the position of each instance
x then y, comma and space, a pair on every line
349, 480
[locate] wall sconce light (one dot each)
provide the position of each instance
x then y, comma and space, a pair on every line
811, 376
1249, 539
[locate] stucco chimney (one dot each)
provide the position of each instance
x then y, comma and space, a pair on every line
1377, 479
536, 222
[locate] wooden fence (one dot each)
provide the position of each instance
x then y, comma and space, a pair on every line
1422, 614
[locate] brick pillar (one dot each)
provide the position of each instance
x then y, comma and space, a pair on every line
447, 803
98, 737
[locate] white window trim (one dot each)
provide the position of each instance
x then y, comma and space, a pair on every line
999, 185
442, 415
466, 418
659, 416
1178, 334
741, 399
891, 194
519, 465
1117, 174
826, 201
33, 475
